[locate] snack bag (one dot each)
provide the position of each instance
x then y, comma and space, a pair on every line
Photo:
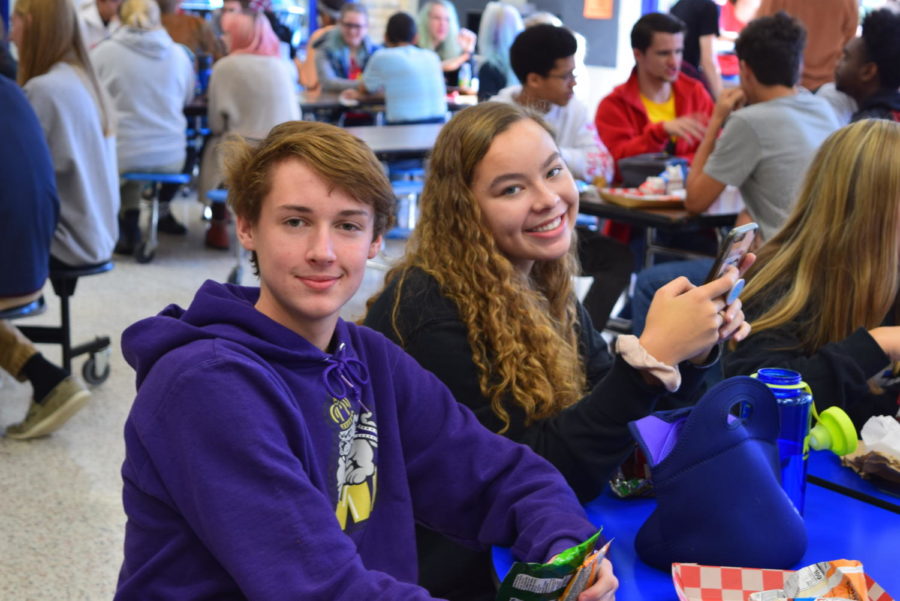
839, 579
549, 581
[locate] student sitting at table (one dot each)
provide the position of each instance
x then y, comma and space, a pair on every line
869, 68
439, 30
659, 108
150, 79
483, 299
29, 208
499, 26
410, 77
823, 298
276, 452
770, 130
250, 91
344, 51
78, 120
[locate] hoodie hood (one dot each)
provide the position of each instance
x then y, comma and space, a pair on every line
152, 43
224, 313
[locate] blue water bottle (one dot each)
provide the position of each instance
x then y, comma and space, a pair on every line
794, 404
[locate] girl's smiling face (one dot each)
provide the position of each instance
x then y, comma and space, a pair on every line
527, 196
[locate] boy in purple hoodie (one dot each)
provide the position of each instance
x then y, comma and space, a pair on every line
275, 451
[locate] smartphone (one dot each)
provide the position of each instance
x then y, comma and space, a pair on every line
734, 247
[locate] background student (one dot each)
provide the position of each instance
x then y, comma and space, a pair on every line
499, 26
659, 108
250, 91
77, 124
276, 452
75, 113
150, 79
869, 67
410, 77
815, 310
483, 299
830, 25
345, 50
439, 30
29, 208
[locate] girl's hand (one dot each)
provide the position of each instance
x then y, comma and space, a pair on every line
684, 320
604, 589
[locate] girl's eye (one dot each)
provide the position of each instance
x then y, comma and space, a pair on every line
554, 172
510, 190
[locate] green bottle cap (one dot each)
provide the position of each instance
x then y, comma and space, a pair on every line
834, 431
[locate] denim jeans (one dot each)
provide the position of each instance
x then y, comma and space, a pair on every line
653, 278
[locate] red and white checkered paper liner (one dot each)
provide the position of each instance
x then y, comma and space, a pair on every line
694, 582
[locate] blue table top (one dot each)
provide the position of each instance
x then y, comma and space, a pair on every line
838, 526
825, 469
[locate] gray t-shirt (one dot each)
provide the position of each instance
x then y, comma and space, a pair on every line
765, 149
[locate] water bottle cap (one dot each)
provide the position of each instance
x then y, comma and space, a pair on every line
834, 431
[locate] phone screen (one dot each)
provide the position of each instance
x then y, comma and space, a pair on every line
736, 245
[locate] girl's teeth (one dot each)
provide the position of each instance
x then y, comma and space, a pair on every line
546, 228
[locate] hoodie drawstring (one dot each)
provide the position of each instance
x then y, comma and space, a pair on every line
345, 376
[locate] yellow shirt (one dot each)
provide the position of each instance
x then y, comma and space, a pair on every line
659, 111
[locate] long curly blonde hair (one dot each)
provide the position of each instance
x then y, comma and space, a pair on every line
521, 329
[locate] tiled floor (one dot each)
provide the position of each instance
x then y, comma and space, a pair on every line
61, 518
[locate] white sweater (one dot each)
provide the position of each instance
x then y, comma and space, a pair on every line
249, 94
576, 136
87, 178
150, 79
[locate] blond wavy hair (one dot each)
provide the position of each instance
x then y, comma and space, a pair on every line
521, 329
836, 258
52, 35
140, 14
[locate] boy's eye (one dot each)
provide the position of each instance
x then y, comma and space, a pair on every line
350, 227
293, 222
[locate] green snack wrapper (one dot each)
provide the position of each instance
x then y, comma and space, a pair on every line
544, 581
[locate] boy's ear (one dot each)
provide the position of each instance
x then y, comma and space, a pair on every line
532, 80
868, 72
375, 246
244, 230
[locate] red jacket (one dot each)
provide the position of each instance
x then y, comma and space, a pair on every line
622, 122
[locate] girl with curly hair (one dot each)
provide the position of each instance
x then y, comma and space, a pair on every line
483, 298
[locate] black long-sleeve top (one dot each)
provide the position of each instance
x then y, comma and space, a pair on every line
838, 373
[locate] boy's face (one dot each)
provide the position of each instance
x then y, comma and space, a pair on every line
557, 87
312, 242
851, 67
662, 59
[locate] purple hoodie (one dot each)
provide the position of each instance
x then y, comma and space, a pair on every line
259, 467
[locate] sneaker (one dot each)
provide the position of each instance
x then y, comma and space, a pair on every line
57, 407
167, 224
